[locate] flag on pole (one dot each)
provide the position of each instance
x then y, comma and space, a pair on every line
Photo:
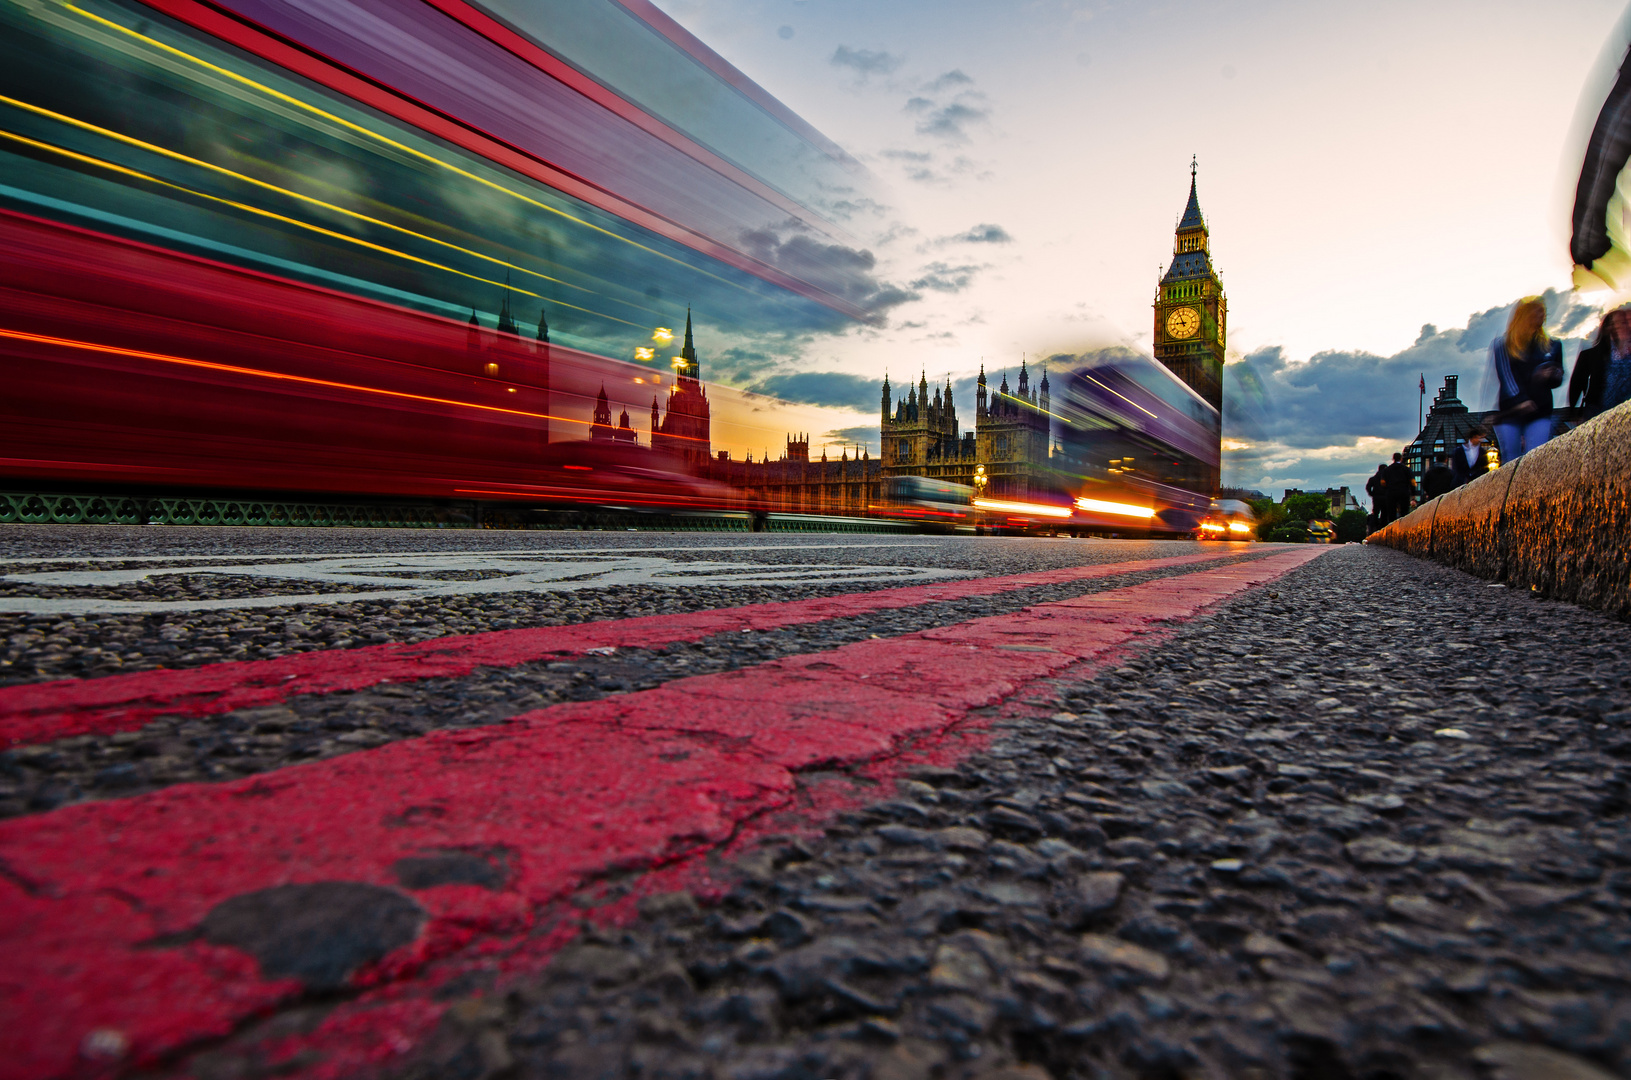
1424, 382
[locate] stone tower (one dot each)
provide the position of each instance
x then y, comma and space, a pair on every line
1191, 311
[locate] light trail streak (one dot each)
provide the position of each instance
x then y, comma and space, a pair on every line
1032, 509
247, 208
1102, 506
1122, 396
153, 148
368, 133
305, 380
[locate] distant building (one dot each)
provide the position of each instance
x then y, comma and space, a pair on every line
1447, 426
919, 436
685, 431
848, 487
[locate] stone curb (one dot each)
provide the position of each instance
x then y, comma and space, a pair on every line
1557, 520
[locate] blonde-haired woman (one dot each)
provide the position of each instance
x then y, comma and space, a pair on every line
1527, 365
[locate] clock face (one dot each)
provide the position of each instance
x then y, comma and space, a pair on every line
1183, 322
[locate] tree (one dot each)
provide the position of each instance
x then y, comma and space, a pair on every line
1306, 506
1351, 526
1269, 516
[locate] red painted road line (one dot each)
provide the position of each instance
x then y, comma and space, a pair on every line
41, 712
630, 782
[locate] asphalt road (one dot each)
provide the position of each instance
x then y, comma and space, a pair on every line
615, 805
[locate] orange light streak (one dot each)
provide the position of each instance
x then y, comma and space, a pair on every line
305, 380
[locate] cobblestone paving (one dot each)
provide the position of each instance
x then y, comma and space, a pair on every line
36, 648
1369, 822
310, 727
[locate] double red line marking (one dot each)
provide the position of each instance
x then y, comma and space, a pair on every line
636, 781
40, 712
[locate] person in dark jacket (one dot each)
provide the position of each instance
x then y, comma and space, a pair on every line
1471, 459
1602, 371
1401, 487
1527, 365
1438, 479
1376, 488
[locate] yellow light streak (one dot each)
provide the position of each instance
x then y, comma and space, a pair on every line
1239, 527
401, 147
1031, 509
1211, 527
153, 148
644, 354
662, 335
1120, 395
1102, 506
235, 204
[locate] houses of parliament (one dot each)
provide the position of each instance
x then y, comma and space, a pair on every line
1005, 455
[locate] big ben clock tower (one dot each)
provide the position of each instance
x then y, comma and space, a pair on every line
1190, 309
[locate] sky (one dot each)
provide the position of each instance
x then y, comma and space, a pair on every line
1382, 181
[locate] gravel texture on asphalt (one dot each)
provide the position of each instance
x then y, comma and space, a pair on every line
1367, 822
39, 648
309, 727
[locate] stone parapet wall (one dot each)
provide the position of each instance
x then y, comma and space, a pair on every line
1557, 520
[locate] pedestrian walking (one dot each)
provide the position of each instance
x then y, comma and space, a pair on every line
1439, 479
1527, 365
1401, 488
1602, 371
1471, 458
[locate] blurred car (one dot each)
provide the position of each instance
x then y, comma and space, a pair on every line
1228, 519
1322, 531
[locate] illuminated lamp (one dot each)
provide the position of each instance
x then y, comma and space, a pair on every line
644, 353
662, 335
492, 369
1030, 509
1239, 527
1211, 527
1100, 506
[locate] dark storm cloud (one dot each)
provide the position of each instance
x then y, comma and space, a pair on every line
844, 272
865, 62
822, 388
980, 234
1340, 396
943, 277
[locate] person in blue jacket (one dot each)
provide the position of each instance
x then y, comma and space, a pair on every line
1527, 365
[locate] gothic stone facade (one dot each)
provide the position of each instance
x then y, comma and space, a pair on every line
919, 436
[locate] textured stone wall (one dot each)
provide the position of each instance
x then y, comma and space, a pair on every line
1557, 520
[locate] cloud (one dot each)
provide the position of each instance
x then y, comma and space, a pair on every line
865, 62
866, 437
843, 271
943, 277
982, 234
833, 388
979, 234
1328, 420
950, 122
952, 78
